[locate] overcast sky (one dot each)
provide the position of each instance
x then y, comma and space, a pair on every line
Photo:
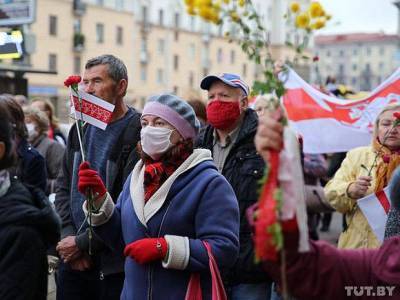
361, 16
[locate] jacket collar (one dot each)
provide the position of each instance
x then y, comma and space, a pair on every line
144, 211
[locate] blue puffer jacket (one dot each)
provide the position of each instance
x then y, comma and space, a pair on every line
195, 204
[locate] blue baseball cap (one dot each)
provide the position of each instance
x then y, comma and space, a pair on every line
232, 80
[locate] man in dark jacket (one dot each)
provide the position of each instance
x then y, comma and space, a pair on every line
111, 152
230, 137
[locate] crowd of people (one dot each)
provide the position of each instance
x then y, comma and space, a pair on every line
163, 193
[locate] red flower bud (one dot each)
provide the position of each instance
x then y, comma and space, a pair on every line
315, 58
72, 80
396, 115
386, 158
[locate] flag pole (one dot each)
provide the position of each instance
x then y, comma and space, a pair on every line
78, 124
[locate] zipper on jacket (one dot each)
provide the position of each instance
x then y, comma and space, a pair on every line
150, 287
101, 275
150, 277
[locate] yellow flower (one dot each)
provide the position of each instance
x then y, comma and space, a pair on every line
190, 10
205, 12
294, 7
242, 3
217, 5
202, 3
319, 23
302, 20
227, 1
215, 18
234, 16
315, 9
189, 2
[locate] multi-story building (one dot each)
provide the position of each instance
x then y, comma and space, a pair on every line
360, 60
164, 48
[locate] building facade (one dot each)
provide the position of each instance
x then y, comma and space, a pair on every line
360, 60
164, 48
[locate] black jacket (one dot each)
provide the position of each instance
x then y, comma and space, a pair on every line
119, 165
31, 166
243, 169
28, 226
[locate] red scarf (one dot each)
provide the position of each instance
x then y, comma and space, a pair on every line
157, 172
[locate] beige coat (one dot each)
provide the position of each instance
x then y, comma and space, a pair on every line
358, 234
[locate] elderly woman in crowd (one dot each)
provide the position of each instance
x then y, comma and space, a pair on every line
173, 201
52, 151
353, 180
54, 132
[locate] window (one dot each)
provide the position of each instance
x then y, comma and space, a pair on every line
381, 66
161, 17
77, 26
53, 25
119, 4
176, 62
160, 76
53, 62
161, 46
355, 51
368, 51
219, 55
175, 90
192, 23
354, 81
191, 79
192, 51
354, 67
232, 56
143, 73
177, 19
381, 51
100, 2
244, 70
341, 69
341, 53
144, 14
77, 65
120, 35
328, 53
100, 33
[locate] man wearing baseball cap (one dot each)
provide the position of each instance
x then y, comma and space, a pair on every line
230, 137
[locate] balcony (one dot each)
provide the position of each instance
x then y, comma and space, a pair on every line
79, 42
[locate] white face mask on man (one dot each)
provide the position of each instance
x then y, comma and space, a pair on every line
155, 141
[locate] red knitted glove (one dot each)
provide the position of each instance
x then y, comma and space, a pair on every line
147, 250
88, 178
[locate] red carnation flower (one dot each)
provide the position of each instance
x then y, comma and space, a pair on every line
396, 115
72, 80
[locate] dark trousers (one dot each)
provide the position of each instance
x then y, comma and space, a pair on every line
86, 285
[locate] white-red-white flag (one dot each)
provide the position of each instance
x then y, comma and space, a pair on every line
375, 208
95, 111
329, 124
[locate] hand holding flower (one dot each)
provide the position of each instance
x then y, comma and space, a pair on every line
358, 188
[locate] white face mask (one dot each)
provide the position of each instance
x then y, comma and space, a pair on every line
155, 140
31, 130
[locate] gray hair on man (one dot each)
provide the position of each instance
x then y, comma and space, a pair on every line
116, 68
